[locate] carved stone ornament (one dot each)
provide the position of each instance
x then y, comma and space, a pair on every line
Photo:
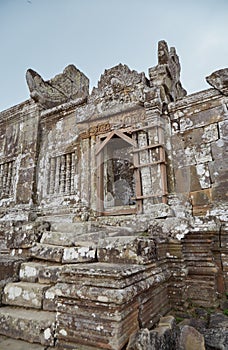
219, 80
69, 85
119, 86
167, 73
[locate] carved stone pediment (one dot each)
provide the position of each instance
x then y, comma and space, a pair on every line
69, 85
119, 86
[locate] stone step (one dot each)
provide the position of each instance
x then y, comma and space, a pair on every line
64, 218
47, 252
80, 253
24, 294
68, 239
34, 326
83, 252
65, 239
77, 227
15, 344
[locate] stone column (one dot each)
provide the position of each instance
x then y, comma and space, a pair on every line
68, 173
57, 175
93, 173
52, 175
144, 168
85, 171
72, 184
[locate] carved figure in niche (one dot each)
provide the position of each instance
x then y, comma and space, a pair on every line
69, 85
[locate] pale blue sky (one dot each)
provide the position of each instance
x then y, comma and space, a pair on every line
47, 35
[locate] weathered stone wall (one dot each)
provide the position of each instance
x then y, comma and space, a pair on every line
58, 174
18, 159
69, 156
199, 156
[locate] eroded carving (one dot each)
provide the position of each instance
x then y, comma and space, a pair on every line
69, 85
167, 73
219, 80
117, 86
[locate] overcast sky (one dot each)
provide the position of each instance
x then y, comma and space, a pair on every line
47, 35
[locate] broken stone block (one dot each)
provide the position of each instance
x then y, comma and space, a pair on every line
140, 340
128, 249
163, 337
191, 339
24, 294
216, 338
29, 325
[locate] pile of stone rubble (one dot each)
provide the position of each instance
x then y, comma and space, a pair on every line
204, 331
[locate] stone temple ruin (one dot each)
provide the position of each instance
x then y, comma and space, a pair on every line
113, 204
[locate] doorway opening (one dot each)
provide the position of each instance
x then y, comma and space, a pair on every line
116, 182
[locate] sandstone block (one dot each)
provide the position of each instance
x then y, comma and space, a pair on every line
128, 249
96, 328
191, 339
105, 274
29, 271
219, 191
29, 325
15, 344
50, 298
201, 201
47, 252
24, 294
9, 267
59, 238
201, 118
74, 227
49, 273
83, 252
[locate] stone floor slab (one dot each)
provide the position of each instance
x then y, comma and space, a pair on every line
15, 344
34, 326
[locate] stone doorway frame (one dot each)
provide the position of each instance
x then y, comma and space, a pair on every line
102, 141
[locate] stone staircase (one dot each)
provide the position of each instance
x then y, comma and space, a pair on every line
29, 311
75, 266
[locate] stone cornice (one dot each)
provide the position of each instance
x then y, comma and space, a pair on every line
195, 99
18, 112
